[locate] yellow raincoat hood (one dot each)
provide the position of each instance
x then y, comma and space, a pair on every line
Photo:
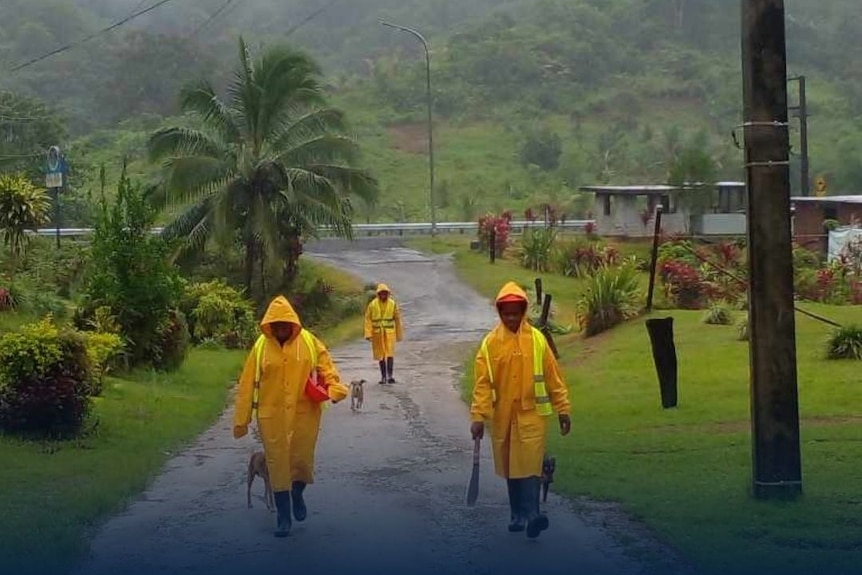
511, 289
279, 310
382, 288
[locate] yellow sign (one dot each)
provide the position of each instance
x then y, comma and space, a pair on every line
820, 187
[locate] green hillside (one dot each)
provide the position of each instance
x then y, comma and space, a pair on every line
531, 98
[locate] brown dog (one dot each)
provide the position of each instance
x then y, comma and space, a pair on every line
257, 466
357, 395
549, 465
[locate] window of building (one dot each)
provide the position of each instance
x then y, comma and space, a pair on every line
607, 202
667, 206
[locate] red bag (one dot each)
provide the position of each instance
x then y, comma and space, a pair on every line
315, 389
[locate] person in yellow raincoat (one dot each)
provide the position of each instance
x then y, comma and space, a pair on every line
383, 328
518, 384
287, 418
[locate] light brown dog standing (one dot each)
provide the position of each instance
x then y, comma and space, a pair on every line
257, 467
357, 395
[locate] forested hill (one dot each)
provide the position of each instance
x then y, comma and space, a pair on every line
572, 90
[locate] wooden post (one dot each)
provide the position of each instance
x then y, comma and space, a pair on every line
539, 290
492, 253
545, 328
777, 468
654, 259
546, 310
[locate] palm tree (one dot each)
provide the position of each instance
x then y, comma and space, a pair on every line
267, 167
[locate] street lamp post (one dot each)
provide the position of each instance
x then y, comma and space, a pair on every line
430, 122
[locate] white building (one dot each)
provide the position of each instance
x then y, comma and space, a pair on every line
629, 211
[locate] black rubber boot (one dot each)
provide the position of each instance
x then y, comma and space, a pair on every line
516, 517
390, 367
382, 371
282, 504
299, 510
529, 492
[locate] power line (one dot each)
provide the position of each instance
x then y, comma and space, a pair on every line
116, 24
309, 18
215, 15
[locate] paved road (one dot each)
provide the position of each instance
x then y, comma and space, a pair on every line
390, 480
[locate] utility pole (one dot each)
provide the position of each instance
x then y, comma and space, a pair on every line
776, 458
802, 113
429, 103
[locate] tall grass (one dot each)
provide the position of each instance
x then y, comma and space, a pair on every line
845, 343
611, 297
537, 248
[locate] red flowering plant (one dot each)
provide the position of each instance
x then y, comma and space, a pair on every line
590, 230
6, 301
683, 284
500, 225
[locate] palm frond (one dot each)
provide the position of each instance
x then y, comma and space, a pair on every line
309, 125
244, 90
189, 178
202, 99
322, 149
169, 142
353, 181
193, 226
286, 79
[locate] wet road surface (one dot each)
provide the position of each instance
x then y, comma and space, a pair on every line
390, 480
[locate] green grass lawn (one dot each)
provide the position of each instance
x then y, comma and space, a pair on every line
54, 494
686, 472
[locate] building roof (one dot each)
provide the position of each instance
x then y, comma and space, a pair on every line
635, 190
828, 199
654, 189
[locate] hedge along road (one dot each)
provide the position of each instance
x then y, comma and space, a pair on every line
390, 480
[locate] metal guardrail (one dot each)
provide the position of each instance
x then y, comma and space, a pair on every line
372, 230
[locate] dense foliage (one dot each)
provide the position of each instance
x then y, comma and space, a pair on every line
266, 168
46, 381
135, 280
580, 90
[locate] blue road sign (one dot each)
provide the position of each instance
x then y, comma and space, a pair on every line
56, 168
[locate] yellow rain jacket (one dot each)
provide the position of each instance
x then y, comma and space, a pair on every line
287, 419
518, 430
383, 325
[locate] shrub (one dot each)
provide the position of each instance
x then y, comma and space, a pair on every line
7, 302
537, 245
134, 277
805, 259
313, 303
23, 207
45, 381
171, 348
498, 224
215, 310
351, 306
106, 353
718, 315
579, 258
103, 321
845, 343
611, 298
683, 284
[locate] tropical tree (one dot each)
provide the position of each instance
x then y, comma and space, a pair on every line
23, 207
266, 167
